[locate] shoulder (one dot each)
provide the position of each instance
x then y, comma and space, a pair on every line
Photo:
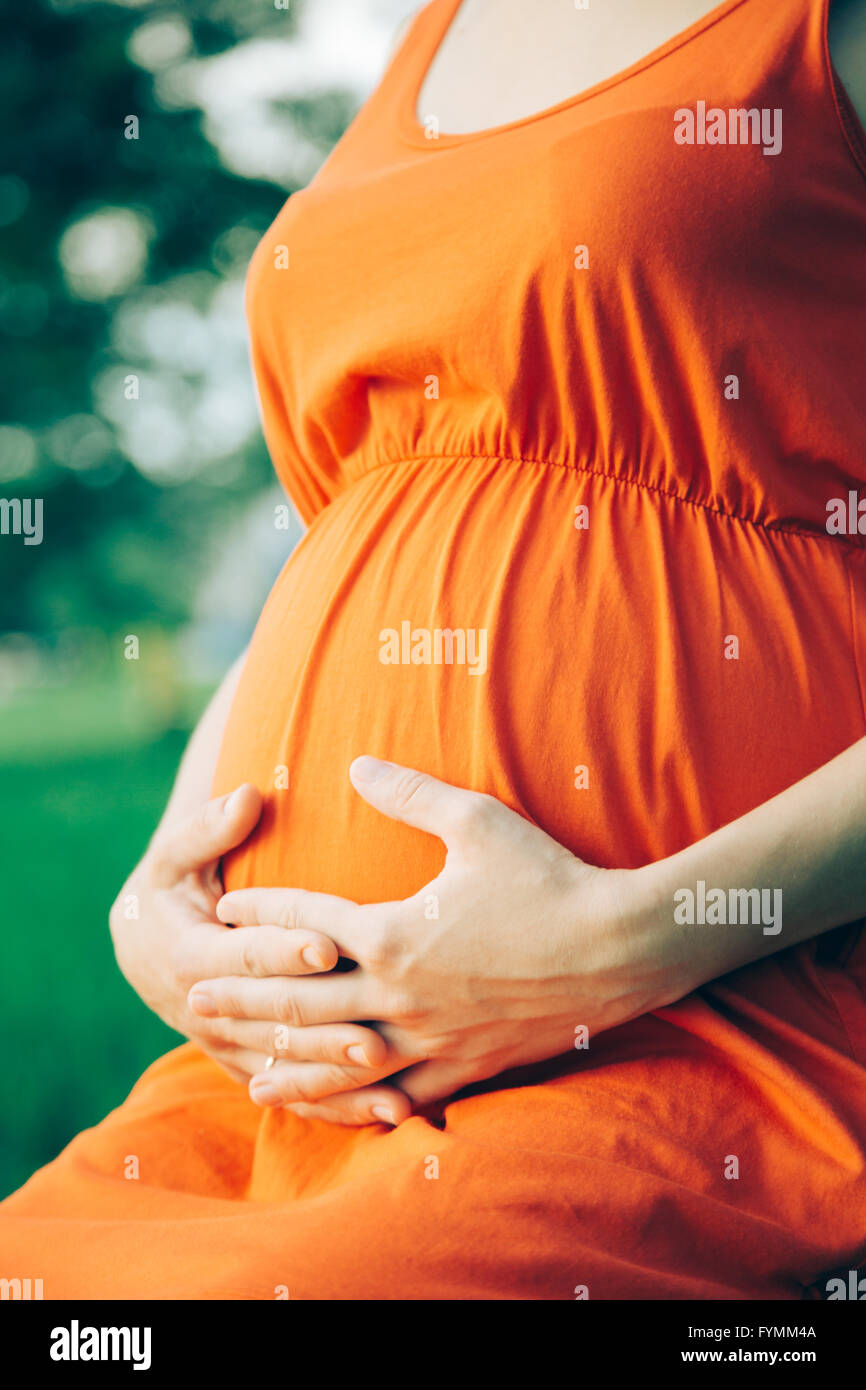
847, 35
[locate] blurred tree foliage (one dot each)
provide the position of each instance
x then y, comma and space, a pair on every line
119, 546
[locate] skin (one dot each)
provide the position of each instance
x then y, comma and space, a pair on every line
530, 942
502, 60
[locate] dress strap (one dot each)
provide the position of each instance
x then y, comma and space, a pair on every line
408, 66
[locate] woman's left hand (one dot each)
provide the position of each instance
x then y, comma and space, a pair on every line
502, 960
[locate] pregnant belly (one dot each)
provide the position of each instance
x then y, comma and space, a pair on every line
628, 683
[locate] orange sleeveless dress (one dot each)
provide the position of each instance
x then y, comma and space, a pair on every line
614, 459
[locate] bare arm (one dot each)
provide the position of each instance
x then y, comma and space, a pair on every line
195, 774
808, 844
176, 882
167, 936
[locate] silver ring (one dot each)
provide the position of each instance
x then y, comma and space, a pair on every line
271, 1062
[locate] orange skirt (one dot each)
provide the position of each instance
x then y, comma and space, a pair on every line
611, 1178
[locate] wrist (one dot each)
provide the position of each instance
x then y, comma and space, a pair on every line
660, 956
618, 944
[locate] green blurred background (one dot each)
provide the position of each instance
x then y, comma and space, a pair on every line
127, 406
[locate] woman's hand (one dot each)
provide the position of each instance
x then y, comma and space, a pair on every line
517, 944
166, 935
501, 961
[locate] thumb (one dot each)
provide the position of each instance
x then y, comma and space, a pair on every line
193, 844
413, 797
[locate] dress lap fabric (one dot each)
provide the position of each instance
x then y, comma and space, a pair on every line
612, 460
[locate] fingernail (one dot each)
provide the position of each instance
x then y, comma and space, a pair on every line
356, 1054
231, 802
265, 1094
313, 957
202, 1003
383, 1113
369, 769
224, 908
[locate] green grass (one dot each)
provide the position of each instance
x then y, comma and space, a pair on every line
73, 821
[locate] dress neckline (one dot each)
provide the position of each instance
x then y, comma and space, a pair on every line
439, 26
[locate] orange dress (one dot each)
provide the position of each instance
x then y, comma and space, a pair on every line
588, 388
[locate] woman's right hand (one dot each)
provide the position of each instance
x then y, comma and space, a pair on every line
167, 937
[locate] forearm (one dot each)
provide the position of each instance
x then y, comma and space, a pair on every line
806, 848
192, 786
170, 896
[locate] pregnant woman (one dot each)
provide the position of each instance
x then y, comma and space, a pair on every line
539, 800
